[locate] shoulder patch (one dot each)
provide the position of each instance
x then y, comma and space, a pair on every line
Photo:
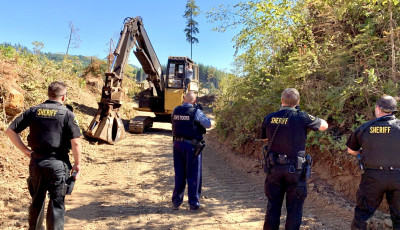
311, 117
76, 122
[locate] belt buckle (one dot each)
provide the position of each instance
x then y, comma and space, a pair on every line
194, 142
282, 159
178, 139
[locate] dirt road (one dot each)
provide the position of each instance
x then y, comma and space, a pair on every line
129, 186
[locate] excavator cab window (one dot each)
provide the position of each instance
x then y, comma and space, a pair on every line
175, 75
180, 69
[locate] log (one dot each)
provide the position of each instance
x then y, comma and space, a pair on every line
13, 99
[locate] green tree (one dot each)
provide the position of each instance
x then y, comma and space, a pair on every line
192, 10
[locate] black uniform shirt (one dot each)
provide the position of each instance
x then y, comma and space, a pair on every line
71, 128
379, 140
291, 136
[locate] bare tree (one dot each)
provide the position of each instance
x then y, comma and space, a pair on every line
110, 56
37, 47
74, 40
392, 42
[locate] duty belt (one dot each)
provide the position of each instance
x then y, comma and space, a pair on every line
189, 141
389, 168
282, 159
288, 161
292, 165
46, 152
49, 156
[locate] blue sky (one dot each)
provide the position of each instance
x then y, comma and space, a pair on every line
99, 20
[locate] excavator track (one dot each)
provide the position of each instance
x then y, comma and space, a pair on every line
140, 123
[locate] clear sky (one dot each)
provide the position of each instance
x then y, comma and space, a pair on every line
98, 21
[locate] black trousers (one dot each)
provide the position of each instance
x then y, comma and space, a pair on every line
277, 184
375, 183
47, 175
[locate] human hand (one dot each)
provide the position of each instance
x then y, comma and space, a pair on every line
28, 153
198, 106
76, 168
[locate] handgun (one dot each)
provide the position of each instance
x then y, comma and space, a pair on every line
70, 183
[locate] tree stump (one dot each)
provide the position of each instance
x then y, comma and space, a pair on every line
12, 98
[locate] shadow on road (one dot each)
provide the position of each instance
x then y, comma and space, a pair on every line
85, 109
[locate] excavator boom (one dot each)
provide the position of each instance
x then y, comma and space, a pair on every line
107, 124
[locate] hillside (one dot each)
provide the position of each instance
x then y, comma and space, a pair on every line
29, 76
342, 56
209, 76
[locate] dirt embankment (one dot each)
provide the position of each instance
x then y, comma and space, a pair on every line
342, 173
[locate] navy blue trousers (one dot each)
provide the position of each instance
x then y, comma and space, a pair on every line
47, 175
375, 183
277, 184
187, 168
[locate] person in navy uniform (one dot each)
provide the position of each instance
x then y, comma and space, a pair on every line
53, 131
188, 126
286, 132
379, 141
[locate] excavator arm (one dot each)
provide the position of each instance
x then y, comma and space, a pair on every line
107, 124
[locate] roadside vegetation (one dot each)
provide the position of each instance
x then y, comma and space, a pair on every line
341, 56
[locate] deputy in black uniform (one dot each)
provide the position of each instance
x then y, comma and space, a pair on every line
53, 131
379, 140
286, 132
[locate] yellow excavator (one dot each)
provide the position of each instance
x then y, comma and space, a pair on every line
164, 93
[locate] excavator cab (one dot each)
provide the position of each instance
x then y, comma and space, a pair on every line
173, 88
177, 70
175, 81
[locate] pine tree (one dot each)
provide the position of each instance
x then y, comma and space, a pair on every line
192, 10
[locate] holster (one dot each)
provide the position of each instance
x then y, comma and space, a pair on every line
269, 160
361, 163
199, 146
307, 168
